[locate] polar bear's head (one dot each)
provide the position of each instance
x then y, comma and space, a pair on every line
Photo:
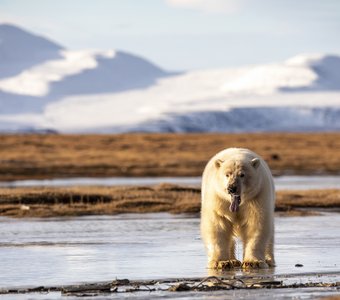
238, 179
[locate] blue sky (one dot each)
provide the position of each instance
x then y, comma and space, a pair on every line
186, 34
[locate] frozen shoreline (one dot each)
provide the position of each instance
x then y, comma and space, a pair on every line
281, 182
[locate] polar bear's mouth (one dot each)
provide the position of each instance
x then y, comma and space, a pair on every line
235, 203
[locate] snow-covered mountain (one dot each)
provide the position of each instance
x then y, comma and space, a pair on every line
44, 86
35, 72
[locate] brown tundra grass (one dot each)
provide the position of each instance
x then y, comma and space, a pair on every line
51, 202
48, 156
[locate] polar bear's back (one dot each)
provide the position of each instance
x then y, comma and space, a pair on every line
234, 154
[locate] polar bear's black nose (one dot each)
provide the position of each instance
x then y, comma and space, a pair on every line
232, 189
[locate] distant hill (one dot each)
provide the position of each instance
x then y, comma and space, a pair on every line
45, 87
34, 66
20, 50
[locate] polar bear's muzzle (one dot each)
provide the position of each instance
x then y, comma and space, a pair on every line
235, 203
234, 191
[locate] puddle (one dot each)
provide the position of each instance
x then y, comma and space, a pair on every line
281, 183
102, 248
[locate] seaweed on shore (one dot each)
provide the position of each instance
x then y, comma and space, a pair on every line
210, 283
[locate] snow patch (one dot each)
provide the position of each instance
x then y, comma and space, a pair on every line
269, 79
302, 72
36, 81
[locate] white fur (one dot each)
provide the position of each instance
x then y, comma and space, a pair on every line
253, 222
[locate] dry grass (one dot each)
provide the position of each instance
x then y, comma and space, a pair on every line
47, 156
51, 202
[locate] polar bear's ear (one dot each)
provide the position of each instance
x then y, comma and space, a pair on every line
218, 163
255, 162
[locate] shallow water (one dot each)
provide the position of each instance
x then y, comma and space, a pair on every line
281, 183
102, 248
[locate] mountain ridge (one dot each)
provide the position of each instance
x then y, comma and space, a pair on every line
113, 91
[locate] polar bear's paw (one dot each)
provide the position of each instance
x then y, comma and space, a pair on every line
255, 264
225, 264
228, 264
236, 263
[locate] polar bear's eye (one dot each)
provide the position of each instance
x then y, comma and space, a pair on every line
227, 175
242, 175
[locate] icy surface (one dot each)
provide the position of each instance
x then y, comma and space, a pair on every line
70, 250
281, 183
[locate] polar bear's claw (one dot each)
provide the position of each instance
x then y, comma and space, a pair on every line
257, 264
226, 264
236, 263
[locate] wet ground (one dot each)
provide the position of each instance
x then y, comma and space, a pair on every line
63, 251
281, 182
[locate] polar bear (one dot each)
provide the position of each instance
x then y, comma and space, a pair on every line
238, 200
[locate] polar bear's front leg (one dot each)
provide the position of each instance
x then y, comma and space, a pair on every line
270, 251
254, 243
217, 236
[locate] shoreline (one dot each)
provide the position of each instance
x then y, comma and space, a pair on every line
321, 281
175, 199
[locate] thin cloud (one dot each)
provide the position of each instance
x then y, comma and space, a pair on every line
209, 6
8, 19
41, 24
